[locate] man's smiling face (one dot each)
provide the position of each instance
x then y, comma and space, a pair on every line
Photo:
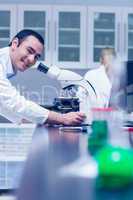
25, 54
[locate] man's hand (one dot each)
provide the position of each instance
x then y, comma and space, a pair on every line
71, 118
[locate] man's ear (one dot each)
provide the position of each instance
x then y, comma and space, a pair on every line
15, 43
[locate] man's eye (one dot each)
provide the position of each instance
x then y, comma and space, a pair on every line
37, 57
29, 51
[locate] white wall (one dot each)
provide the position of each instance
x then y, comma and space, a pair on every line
82, 2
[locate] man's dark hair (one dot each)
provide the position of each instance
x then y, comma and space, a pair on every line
23, 34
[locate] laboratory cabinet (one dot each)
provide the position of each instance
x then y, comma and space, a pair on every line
73, 35
110, 27
63, 29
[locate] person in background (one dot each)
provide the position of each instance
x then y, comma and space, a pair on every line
100, 78
23, 52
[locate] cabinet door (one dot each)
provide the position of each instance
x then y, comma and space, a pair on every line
105, 23
37, 18
128, 34
69, 36
7, 24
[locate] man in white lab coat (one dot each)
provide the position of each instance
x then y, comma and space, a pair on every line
23, 52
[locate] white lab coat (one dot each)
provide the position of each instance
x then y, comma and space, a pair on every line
13, 106
102, 86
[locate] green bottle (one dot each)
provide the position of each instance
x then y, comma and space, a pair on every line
98, 138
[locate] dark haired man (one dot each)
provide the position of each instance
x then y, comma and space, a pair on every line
23, 52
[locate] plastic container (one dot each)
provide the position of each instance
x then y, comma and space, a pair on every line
102, 114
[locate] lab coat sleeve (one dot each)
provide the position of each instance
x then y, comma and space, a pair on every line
102, 87
88, 76
15, 107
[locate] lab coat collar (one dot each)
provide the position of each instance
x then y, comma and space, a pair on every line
10, 70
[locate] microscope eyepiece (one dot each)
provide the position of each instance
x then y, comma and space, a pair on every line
42, 68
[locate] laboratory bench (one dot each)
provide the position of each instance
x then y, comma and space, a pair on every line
51, 162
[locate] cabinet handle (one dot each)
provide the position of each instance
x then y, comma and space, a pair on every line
55, 42
48, 35
118, 38
125, 39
